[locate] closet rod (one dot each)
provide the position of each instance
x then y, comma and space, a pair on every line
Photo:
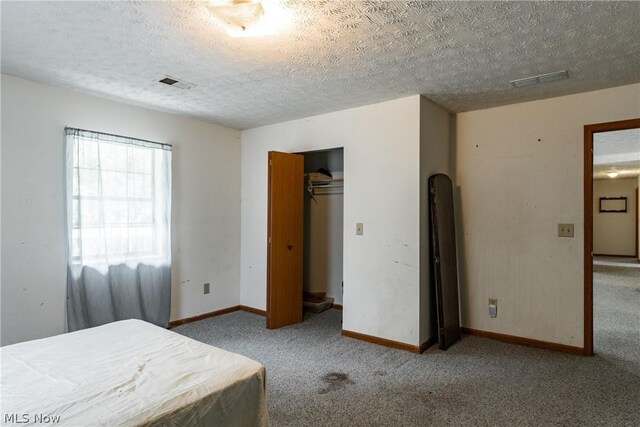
327, 186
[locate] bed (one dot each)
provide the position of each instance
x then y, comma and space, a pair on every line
129, 373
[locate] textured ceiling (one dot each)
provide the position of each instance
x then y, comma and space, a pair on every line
336, 55
619, 150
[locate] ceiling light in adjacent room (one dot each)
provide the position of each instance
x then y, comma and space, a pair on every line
251, 18
613, 173
542, 78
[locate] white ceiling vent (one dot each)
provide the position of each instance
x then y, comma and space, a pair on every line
172, 81
542, 78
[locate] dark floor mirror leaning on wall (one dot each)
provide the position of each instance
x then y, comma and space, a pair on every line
444, 262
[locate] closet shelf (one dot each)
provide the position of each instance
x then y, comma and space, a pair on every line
320, 184
325, 187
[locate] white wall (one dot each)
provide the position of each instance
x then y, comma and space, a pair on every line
434, 158
615, 233
382, 183
206, 205
520, 172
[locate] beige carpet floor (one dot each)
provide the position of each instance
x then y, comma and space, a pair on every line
318, 378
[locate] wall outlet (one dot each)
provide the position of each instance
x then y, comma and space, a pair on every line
359, 229
206, 288
493, 307
565, 230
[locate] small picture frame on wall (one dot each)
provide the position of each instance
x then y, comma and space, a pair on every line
613, 204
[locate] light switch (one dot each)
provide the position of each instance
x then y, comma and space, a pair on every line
565, 230
359, 229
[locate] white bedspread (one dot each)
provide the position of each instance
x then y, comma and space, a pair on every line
129, 373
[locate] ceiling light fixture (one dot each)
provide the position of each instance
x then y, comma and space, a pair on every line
251, 18
241, 13
613, 173
542, 78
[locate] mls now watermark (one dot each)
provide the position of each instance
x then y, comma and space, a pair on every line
31, 418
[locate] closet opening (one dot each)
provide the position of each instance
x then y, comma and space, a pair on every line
305, 217
323, 230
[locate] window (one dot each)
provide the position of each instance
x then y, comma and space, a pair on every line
119, 204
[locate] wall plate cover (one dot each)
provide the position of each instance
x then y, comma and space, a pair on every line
565, 230
493, 307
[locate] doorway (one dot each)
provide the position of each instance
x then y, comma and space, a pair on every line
611, 177
305, 235
323, 230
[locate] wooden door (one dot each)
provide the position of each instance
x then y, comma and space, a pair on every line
285, 239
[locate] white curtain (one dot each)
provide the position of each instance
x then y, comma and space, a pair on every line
118, 193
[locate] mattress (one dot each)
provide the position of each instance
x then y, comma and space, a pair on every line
129, 373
